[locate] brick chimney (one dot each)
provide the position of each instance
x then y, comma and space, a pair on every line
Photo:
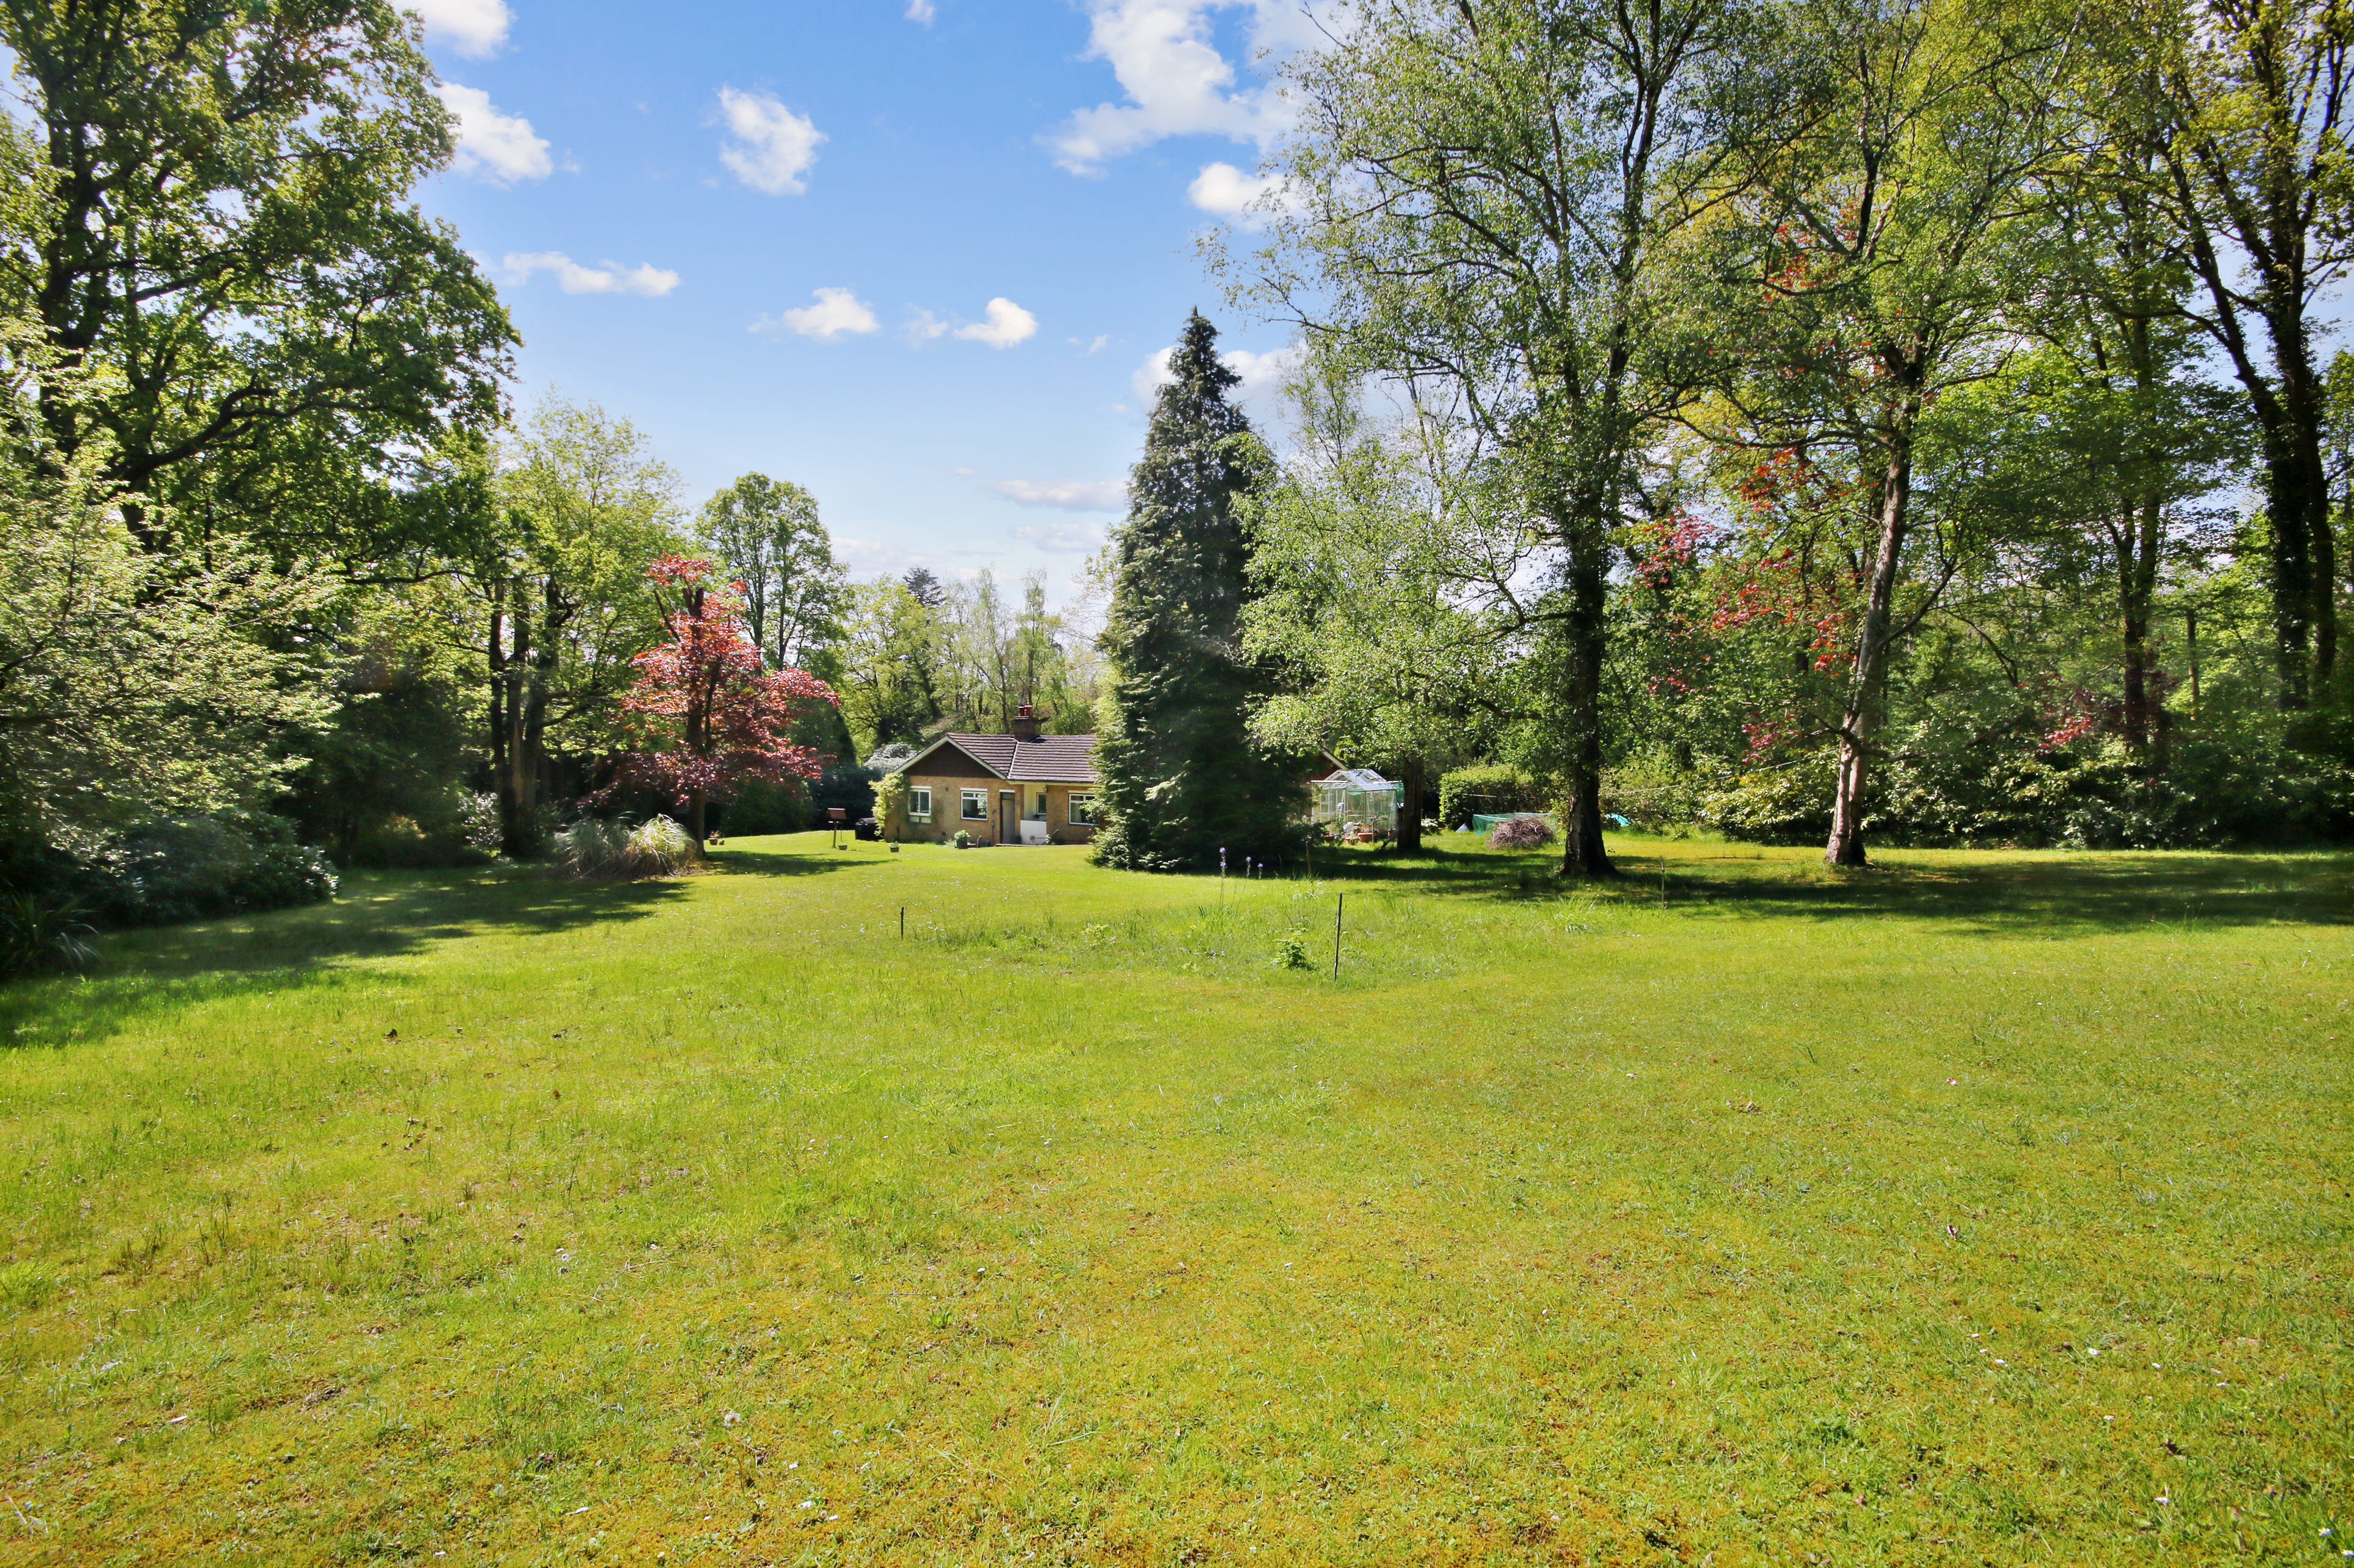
1025, 723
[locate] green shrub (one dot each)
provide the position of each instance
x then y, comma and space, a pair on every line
192, 868
478, 821
1941, 786
1786, 804
1488, 790
401, 843
1651, 792
762, 807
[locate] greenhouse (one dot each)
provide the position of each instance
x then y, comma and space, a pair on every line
1357, 797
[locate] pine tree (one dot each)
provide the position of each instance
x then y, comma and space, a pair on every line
1181, 777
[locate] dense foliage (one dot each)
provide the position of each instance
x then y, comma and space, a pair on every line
705, 714
1907, 422
1816, 409
1184, 784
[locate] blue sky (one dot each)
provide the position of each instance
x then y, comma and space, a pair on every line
916, 255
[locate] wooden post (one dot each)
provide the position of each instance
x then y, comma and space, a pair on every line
903, 922
1340, 900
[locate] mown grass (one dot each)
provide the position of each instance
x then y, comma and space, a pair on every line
1743, 1213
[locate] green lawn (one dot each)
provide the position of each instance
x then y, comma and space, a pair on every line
1976, 1208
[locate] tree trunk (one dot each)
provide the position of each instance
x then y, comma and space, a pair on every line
2309, 612
498, 713
1582, 853
697, 819
2138, 541
2325, 588
515, 696
1409, 827
1868, 682
2288, 405
2138, 718
2288, 510
2137, 596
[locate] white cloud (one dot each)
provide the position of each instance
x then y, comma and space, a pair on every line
1065, 494
1260, 372
774, 147
836, 313
874, 555
1263, 373
1061, 538
1177, 82
1005, 323
1246, 200
921, 11
1102, 341
923, 326
1153, 376
475, 29
605, 277
494, 147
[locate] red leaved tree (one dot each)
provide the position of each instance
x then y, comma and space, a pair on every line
703, 714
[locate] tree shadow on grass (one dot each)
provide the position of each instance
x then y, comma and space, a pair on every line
379, 915
797, 854
2002, 892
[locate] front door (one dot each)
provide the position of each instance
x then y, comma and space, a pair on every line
1007, 833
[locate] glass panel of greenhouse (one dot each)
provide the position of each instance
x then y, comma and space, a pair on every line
1358, 796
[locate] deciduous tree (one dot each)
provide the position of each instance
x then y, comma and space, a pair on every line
1490, 194
225, 235
766, 533
705, 714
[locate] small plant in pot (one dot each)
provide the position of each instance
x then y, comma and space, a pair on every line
963, 839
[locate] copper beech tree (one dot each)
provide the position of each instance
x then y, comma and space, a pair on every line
705, 714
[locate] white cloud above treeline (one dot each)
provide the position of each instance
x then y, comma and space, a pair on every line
1176, 82
921, 11
475, 29
606, 277
838, 313
1246, 200
1060, 538
1260, 372
773, 147
1065, 494
1003, 323
841, 313
497, 148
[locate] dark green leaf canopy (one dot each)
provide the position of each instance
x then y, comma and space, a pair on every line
1181, 779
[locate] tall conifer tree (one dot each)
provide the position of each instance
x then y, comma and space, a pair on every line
1182, 779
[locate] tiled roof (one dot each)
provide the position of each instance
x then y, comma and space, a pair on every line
1049, 759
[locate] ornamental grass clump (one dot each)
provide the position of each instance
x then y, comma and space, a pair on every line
39, 933
591, 849
1521, 832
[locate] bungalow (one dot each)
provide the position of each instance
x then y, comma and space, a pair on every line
1023, 787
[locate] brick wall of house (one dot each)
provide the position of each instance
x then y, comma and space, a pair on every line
947, 797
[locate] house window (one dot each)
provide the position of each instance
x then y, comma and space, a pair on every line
1083, 811
920, 804
976, 805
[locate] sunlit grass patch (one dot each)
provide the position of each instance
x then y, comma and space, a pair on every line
1960, 1209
